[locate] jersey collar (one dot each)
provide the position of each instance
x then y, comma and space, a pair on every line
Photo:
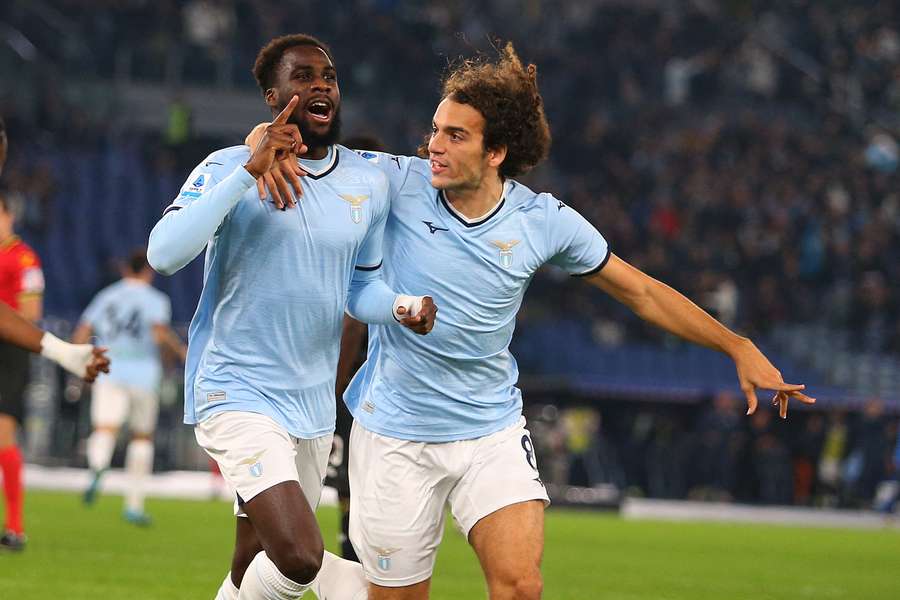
507, 186
317, 169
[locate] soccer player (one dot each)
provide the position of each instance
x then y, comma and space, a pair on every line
263, 343
21, 287
132, 318
442, 422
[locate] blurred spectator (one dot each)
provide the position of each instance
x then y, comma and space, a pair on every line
831, 459
807, 447
719, 443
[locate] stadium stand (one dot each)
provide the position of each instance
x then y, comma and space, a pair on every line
745, 153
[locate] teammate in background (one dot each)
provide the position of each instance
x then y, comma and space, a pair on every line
21, 289
442, 423
264, 342
132, 318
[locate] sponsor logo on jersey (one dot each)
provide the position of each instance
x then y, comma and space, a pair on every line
370, 156
432, 227
506, 255
356, 203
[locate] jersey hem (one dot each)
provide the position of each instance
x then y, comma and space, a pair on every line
494, 427
303, 435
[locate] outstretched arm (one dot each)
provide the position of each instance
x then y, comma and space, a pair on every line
659, 304
18, 330
82, 360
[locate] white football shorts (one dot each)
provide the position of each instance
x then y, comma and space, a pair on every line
255, 453
398, 491
112, 403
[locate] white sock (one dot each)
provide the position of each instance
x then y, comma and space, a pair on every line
138, 465
100, 446
227, 591
340, 579
263, 581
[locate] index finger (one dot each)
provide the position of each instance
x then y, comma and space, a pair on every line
285, 114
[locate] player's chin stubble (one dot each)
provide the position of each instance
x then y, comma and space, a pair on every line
316, 140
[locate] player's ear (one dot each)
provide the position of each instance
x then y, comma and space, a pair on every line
496, 156
272, 97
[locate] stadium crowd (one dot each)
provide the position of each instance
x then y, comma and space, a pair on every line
745, 152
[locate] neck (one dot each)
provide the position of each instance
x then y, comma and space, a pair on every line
316, 153
475, 202
6, 234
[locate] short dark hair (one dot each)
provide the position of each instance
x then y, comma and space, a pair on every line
270, 55
506, 94
137, 261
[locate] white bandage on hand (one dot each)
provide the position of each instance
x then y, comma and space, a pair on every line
74, 358
413, 305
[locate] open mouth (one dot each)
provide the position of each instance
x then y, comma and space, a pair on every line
320, 110
437, 167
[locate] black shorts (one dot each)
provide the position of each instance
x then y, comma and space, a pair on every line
15, 365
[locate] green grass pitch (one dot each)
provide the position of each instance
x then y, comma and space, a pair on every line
84, 554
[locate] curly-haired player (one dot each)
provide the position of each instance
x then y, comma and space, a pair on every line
441, 423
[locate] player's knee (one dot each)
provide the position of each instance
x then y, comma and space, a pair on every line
525, 585
300, 562
529, 586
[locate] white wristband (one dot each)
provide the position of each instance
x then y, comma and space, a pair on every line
412, 304
74, 358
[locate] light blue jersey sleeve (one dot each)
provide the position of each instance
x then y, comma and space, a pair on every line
213, 188
575, 245
370, 300
395, 168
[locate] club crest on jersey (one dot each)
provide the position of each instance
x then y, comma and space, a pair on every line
355, 206
384, 557
506, 255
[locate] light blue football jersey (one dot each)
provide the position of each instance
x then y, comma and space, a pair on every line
122, 317
266, 333
459, 382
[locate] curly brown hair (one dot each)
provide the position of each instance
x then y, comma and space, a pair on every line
270, 55
506, 94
